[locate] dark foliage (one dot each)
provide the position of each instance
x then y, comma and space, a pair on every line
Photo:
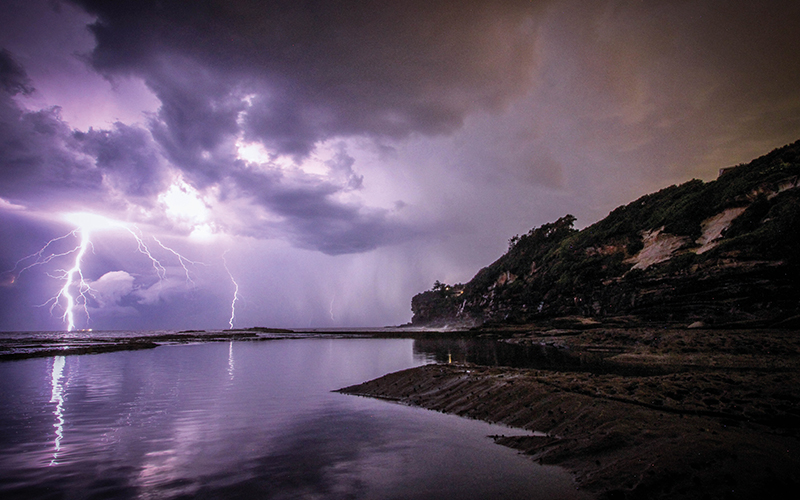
556, 270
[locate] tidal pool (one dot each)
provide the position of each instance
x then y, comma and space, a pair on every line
245, 420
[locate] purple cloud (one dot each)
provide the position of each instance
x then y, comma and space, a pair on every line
318, 69
48, 164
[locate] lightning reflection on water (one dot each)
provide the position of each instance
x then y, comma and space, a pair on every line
230, 360
57, 397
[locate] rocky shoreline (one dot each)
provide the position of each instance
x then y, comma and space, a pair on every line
669, 413
47, 344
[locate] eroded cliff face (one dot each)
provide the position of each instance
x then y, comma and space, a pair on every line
722, 252
441, 307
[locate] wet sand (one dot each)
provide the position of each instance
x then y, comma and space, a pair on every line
670, 413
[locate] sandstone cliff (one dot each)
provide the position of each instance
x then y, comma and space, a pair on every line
723, 252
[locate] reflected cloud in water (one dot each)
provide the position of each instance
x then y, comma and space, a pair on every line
327, 454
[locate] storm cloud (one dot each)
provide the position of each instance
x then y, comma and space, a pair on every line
368, 147
48, 164
290, 76
316, 70
40, 156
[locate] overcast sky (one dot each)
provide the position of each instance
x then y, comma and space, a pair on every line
331, 159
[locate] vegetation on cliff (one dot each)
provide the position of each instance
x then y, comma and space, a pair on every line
721, 252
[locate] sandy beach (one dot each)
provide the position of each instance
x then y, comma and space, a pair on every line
667, 413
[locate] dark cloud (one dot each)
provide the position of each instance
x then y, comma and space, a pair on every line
667, 85
13, 77
39, 157
128, 159
45, 163
322, 69
652, 85
292, 74
314, 218
197, 122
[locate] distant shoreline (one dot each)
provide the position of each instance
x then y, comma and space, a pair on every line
17, 345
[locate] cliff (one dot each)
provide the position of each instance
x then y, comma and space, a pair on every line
725, 252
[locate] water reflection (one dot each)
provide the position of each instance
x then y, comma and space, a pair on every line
201, 420
493, 352
57, 397
230, 360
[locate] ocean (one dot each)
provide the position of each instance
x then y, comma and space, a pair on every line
241, 419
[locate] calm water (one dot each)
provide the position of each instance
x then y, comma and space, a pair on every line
244, 420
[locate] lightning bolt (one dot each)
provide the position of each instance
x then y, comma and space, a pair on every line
330, 309
39, 257
161, 271
75, 275
72, 277
75, 291
235, 290
181, 259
